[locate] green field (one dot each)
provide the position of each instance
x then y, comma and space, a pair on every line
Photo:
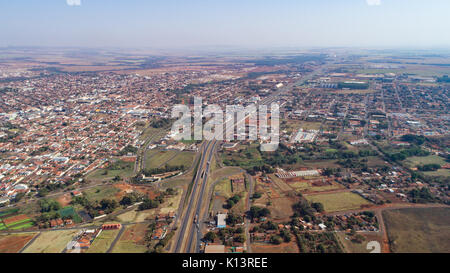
159, 159
102, 243
25, 225
99, 193
118, 168
8, 212
423, 160
184, 158
338, 201
223, 188
415, 230
70, 211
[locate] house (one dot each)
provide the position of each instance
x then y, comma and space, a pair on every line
221, 220
111, 226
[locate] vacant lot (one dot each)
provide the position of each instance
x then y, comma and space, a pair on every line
354, 247
14, 243
102, 243
99, 193
159, 159
119, 168
132, 240
423, 160
282, 248
184, 158
339, 201
418, 230
51, 241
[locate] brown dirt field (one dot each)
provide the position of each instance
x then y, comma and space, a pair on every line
16, 218
125, 188
64, 200
135, 233
281, 208
290, 247
14, 243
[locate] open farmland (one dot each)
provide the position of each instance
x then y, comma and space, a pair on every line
16, 222
339, 201
14, 243
418, 230
54, 241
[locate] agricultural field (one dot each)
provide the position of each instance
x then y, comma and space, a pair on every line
13, 221
418, 230
133, 240
103, 241
340, 201
14, 243
54, 241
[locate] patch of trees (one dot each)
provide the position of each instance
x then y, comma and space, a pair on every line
165, 169
429, 167
233, 219
232, 201
160, 123
404, 154
129, 149
257, 212
48, 205
418, 140
422, 195
317, 242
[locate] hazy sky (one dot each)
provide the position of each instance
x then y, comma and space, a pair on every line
246, 23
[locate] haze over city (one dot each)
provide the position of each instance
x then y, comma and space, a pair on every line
250, 24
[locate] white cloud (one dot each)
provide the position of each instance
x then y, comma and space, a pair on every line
73, 2
373, 2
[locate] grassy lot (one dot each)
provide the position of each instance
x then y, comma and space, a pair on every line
102, 243
118, 168
159, 159
51, 241
101, 192
354, 247
184, 158
70, 211
223, 188
247, 157
132, 240
418, 229
338, 201
441, 172
423, 160
305, 186
172, 203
